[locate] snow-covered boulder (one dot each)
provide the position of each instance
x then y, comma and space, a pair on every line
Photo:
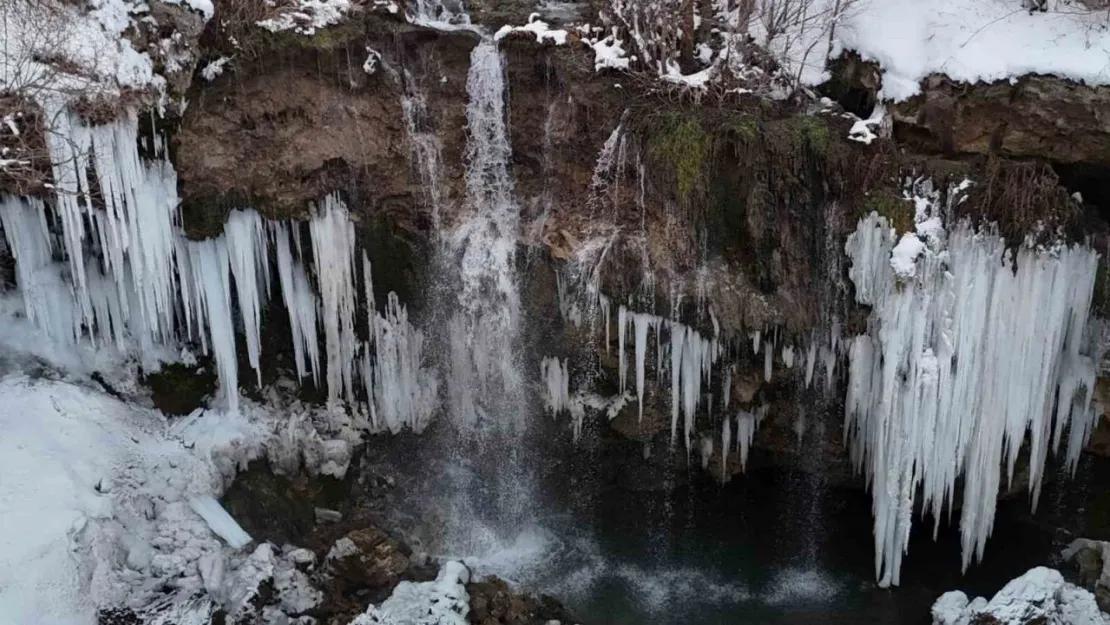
443, 601
1040, 596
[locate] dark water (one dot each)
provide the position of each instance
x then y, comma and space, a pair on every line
773, 546
760, 550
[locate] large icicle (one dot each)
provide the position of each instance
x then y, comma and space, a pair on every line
333, 248
405, 392
971, 348
247, 247
301, 303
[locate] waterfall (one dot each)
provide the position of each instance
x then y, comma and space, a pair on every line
485, 381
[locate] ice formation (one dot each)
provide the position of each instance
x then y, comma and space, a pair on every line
219, 520
965, 354
130, 279
691, 357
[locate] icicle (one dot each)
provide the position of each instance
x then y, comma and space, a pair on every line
642, 323
333, 248
726, 388
622, 361
726, 442
247, 250
915, 420
300, 302
210, 268
604, 302
745, 432
405, 391
678, 338
768, 360
811, 360
788, 356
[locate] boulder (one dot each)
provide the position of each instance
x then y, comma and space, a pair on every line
367, 558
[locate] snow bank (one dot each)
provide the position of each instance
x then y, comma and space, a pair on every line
1039, 596
305, 17
105, 504
537, 27
974, 40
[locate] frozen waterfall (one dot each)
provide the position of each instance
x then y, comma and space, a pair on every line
972, 346
130, 279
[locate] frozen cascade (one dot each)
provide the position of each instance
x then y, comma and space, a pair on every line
128, 277
301, 302
405, 391
246, 247
1014, 323
691, 362
484, 331
333, 247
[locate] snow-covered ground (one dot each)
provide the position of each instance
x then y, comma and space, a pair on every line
975, 40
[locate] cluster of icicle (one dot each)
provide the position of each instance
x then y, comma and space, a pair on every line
977, 346
131, 279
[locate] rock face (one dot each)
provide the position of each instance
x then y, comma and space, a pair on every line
1041, 596
1090, 559
368, 558
1035, 116
493, 602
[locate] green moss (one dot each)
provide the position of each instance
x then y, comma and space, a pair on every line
745, 128
899, 212
815, 133
683, 145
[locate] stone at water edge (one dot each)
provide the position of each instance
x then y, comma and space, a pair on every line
1039, 596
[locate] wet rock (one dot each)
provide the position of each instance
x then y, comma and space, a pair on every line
493, 602
278, 508
368, 558
629, 423
180, 388
1089, 559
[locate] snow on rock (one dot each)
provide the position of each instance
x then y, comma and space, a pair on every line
537, 27
214, 69
609, 53
904, 255
1039, 596
305, 17
95, 504
972, 348
440, 602
972, 41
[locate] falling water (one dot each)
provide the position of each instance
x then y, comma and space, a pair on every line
485, 384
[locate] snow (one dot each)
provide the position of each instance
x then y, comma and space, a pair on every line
41, 38
1039, 596
904, 255
214, 69
537, 27
1013, 321
305, 17
973, 41
443, 601
609, 53
95, 502
373, 59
